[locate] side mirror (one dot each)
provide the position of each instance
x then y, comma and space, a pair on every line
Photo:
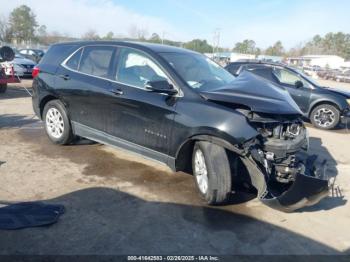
161, 86
298, 84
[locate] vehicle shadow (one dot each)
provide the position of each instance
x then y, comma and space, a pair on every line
335, 198
106, 221
342, 128
16, 121
14, 92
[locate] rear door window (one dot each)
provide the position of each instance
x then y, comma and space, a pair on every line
263, 71
97, 61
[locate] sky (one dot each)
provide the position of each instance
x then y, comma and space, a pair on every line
264, 21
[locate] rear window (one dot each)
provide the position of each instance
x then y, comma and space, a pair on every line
57, 53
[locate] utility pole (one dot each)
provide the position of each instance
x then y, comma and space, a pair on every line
216, 40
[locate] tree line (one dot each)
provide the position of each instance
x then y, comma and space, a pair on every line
22, 27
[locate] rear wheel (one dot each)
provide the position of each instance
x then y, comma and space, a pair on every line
211, 170
57, 124
3, 88
325, 116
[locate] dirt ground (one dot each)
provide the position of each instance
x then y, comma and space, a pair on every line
119, 203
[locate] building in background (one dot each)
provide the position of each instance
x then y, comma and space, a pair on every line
224, 58
324, 61
270, 58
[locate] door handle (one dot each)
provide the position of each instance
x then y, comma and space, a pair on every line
117, 91
65, 77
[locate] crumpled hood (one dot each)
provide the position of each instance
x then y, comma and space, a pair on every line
258, 94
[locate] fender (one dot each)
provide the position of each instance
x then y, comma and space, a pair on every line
330, 100
220, 142
184, 152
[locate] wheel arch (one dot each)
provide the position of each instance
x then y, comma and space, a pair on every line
322, 102
44, 101
184, 153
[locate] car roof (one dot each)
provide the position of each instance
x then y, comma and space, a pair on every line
157, 48
259, 62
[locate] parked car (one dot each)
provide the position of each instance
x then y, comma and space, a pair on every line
343, 77
7, 54
23, 66
311, 71
325, 107
32, 54
331, 74
322, 73
178, 107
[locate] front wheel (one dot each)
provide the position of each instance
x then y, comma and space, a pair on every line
57, 124
212, 173
3, 88
325, 116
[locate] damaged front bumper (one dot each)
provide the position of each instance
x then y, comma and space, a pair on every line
345, 117
306, 190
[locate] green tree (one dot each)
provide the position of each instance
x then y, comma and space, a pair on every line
331, 44
155, 38
245, 47
275, 50
199, 45
108, 36
22, 23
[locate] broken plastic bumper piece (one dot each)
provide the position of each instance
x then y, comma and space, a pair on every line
305, 191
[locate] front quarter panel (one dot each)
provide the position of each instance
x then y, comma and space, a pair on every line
200, 117
325, 96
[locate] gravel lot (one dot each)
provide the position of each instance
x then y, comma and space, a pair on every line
119, 203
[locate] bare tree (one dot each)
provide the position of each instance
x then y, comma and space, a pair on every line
133, 31
90, 35
138, 33
5, 30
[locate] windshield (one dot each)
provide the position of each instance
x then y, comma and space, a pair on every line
198, 71
18, 56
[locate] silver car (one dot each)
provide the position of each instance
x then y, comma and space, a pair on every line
23, 66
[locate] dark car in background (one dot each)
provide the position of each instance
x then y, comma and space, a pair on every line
32, 54
343, 77
180, 108
325, 107
329, 74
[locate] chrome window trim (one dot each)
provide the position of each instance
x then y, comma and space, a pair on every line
63, 64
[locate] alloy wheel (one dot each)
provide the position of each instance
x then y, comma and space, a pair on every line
200, 171
324, 117
54, 123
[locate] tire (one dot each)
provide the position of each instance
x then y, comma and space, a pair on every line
325, 116
217, 166
60, 131
3, 88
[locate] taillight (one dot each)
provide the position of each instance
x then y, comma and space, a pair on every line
35, 72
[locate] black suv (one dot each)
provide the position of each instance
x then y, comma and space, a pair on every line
325, 107
182, 109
